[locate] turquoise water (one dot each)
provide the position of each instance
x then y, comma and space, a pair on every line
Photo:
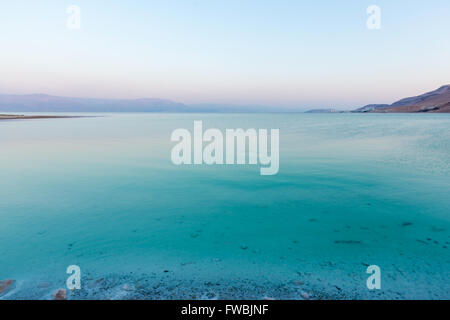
353, 190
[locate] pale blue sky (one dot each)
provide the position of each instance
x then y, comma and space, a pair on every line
287, 53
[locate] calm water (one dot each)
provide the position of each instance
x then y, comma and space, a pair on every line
353, 190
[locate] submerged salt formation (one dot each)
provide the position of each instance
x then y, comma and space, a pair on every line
5, 285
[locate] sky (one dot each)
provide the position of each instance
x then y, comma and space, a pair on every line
294, 54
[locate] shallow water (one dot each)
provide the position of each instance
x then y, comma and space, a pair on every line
353, 190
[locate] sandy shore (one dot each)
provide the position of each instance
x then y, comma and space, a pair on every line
24, 117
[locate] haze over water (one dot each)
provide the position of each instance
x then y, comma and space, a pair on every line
353, 190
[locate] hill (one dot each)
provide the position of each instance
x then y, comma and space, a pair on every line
437, 101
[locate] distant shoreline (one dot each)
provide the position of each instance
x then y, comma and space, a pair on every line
28, 117
437, 101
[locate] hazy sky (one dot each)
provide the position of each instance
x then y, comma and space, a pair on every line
316, 53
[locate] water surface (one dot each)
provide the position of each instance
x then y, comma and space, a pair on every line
353, 190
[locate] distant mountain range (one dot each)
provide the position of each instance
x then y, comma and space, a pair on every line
48, 103
437, 101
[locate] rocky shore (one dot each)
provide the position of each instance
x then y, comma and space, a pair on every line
120, 287
168, 286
